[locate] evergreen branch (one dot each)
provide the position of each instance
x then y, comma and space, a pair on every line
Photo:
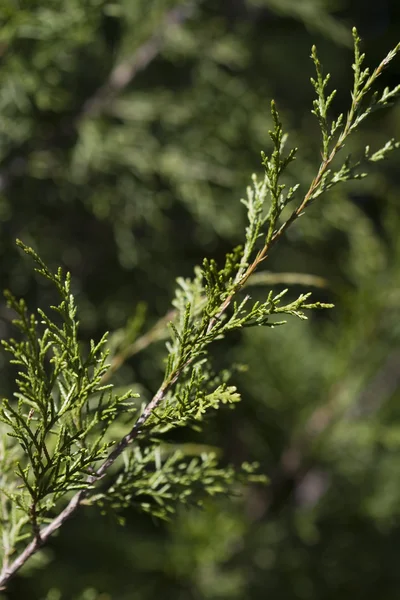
159, 331
201, 318
362, 86
159, 479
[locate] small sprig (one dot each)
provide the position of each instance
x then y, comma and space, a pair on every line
363, 84
158, 481
259, 314
275, 165
61, 410
322, 104
196, 394
382, 153
255, 204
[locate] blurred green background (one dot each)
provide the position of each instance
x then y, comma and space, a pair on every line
128, 132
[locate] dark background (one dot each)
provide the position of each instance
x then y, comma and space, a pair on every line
128, 182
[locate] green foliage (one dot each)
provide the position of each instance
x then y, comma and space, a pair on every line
63, 416
335, 133
61, 411
158, 481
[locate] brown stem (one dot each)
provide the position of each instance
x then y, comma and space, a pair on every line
9, 570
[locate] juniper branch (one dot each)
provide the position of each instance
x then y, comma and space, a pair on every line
159, 330
362, 85
192, 343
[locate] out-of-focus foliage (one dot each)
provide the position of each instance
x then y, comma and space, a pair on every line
132, 191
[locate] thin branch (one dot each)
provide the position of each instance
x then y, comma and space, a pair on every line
322, 171
11, 569
270, 278
160, 329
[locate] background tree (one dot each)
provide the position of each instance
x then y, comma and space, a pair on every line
128, 131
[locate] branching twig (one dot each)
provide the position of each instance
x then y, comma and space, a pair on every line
363, 83
358, 95
160, 328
